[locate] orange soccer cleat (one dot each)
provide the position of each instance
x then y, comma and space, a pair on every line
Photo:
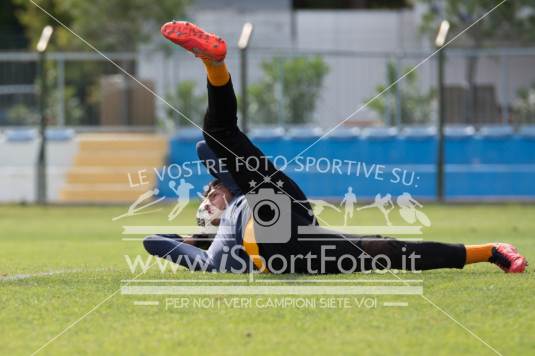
203, 44
506, 257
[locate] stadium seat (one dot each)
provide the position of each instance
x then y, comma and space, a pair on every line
300, 138
188, 133
419, 131
260, 133
460, 147
496, 131
527, 131
342, 132
20, 135
417, 145
269, 139
341, 143
458, 131
182, 145
495, 144
304, 132
59, 134
379, 145
379, 132
525, 144
104, 164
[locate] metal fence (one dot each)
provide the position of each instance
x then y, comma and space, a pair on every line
73, 86
485, 86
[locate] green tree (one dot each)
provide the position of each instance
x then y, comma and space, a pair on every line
415, 106
297, 82
11, 31
109, 25
21, 114
191, 104
511, 22
524, 105
263, 106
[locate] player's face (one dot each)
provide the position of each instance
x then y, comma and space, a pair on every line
214, 204
218, 197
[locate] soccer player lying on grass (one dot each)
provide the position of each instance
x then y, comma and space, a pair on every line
238, 247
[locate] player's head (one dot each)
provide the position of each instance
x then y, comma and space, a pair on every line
219, 192
216, 198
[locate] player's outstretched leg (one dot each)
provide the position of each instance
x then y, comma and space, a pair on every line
504, 255
434, 255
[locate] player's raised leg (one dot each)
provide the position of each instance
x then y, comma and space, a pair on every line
207, 46
221, 131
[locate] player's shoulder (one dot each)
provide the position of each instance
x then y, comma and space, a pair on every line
237, 206
239, 203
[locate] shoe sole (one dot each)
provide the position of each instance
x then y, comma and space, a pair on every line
190, 37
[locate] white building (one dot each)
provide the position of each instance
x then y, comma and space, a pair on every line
371, 38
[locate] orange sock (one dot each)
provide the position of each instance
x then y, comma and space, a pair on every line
478, 253
217, 72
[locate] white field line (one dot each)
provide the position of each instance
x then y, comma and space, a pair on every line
22, 276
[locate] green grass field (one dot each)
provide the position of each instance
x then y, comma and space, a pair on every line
82, 249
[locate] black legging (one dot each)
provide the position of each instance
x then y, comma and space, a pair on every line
227, 141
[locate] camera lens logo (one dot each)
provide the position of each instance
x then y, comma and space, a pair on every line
266, 213
272, 216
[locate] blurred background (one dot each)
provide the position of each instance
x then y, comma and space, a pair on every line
309, 65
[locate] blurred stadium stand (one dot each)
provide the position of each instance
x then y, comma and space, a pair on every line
489, 148
102, 163
81, 168
18, 154
493, 163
